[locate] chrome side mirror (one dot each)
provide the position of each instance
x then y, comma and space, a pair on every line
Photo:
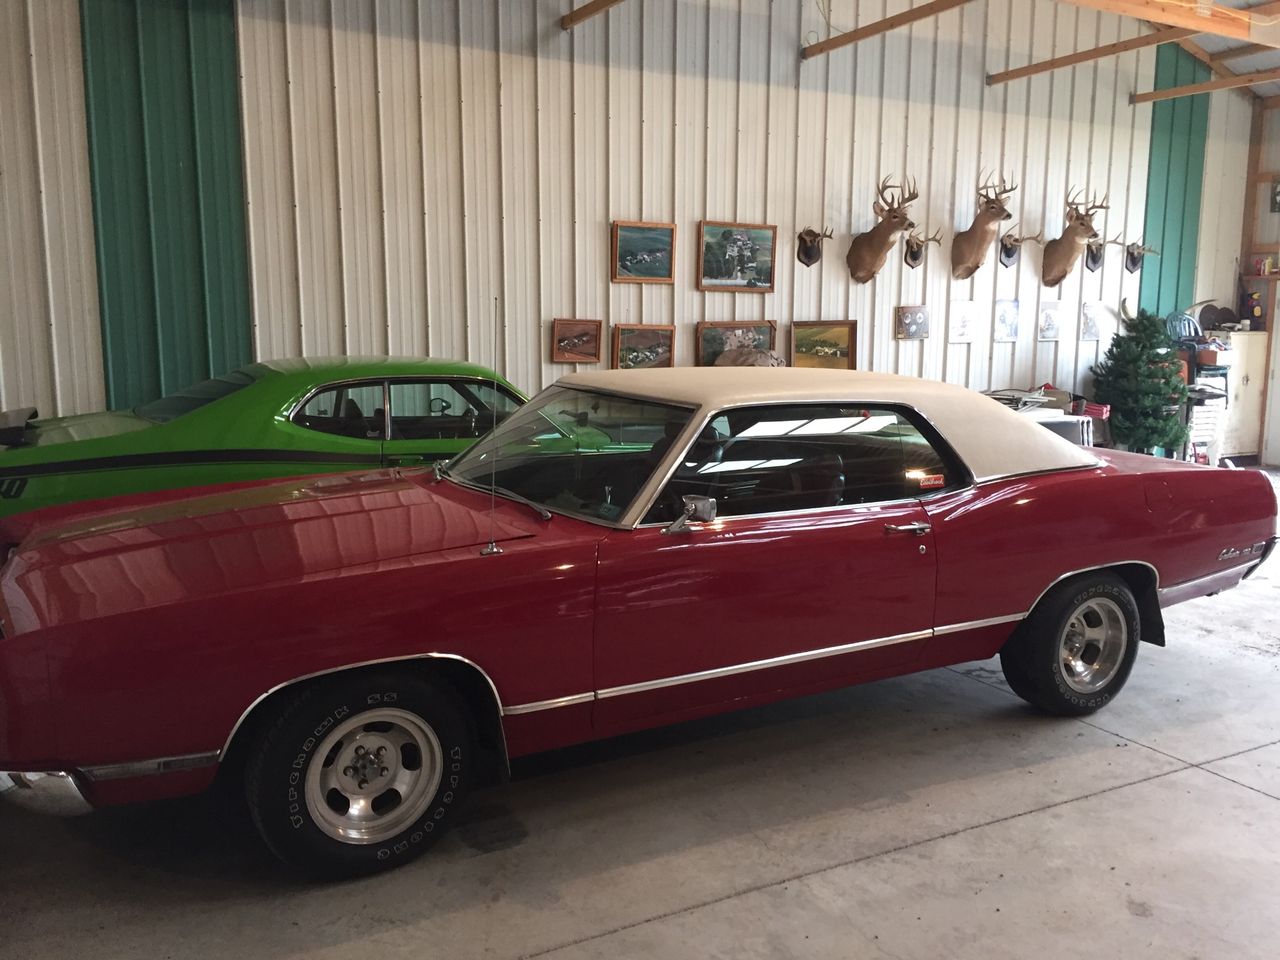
696, 509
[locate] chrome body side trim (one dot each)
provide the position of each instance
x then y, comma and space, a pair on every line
1214, 582
785, 660
143, 768
569, 701
978, 624
355, 666
54, 792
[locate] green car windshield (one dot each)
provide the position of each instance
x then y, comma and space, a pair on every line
574, 451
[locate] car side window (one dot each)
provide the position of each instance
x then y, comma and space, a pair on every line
447, 409
346, 410
777, 459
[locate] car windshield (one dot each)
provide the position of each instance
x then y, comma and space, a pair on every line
575, 451
194, 397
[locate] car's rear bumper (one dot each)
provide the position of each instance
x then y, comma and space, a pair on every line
55, 792
1269, 549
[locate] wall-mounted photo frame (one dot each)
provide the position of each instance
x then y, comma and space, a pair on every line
637, 346
1049, 327
912, 323
825, 346
1092, 315
576, 341
1007, 316
643, 252
716, 338
736, 257
962, 322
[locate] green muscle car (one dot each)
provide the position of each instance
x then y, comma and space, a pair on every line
277, 418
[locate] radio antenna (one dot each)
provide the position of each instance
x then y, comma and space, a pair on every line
491, 548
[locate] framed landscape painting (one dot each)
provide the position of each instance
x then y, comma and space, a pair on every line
575, 341
736, 257
827, 346
643, 252
640, 345
715, 338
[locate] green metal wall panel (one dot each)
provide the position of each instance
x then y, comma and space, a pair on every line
168, 192
1179, 129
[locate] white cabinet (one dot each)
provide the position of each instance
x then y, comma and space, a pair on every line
1247, 381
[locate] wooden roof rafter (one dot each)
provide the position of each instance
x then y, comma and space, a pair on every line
1247, 25
1167, 35
922, 12
585, 12
1191, 89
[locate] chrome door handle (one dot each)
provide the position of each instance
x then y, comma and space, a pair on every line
919, 528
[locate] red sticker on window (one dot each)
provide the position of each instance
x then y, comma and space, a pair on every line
930, 480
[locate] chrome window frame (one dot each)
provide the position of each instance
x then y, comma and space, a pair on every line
632, 519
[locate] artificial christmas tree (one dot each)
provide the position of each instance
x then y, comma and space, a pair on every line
1139, 377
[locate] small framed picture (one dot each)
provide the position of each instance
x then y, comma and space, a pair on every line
913, 323
1275, 195
1006, 330
643, 252
1050, 325
575, 341
1092, 315
828, 346
717, 338
963, 321
640, 345
737, 257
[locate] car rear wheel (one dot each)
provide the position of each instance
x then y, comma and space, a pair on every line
361, 773
1073, 654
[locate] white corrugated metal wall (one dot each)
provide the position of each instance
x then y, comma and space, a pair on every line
408, 162
1222, 204
50, 339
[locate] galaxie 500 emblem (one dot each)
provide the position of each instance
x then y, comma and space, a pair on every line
12, 488
1231, 552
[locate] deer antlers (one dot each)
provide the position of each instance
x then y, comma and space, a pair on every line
990, 192
1078, 209
906, 194
919, 241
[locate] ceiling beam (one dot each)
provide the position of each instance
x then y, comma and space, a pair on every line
1217, 18
1242, 80
921, 12
1167, 35
585, 12
1270, 103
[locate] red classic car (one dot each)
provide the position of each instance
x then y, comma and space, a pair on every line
630, 549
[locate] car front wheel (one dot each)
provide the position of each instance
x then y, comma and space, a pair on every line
1074, 652
360, 774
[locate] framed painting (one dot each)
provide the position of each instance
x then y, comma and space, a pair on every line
575, 341
963, 321
825, 346
736, 257
640, 345
1007, 314
716, 338
1050, 325
643, 252
913, 323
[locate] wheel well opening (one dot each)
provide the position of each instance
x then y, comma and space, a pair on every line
470, 685
1141, 579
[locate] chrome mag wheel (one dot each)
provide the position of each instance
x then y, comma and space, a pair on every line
373, 776
1093, 644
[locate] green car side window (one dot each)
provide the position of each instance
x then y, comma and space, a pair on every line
345, 410
447, 409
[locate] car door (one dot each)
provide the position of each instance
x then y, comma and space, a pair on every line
345, 421
819, 567
437, 417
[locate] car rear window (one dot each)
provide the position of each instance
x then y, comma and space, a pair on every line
194, 397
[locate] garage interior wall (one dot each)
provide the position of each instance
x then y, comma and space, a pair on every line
409, 163
162, 94
50, 343
1226, 163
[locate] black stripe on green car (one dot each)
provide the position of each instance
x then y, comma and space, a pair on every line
183, 458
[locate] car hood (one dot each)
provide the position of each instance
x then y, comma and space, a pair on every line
247, 538
89, 426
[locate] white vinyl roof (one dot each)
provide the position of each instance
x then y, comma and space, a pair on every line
992, 440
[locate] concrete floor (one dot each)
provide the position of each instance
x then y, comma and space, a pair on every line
925, 817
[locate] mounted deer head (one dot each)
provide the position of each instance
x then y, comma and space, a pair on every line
809, 249
1060, 255
969, 249
913, 256
869, 250
1134, 253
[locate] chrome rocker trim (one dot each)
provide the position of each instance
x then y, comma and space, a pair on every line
54, 792
144, 768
